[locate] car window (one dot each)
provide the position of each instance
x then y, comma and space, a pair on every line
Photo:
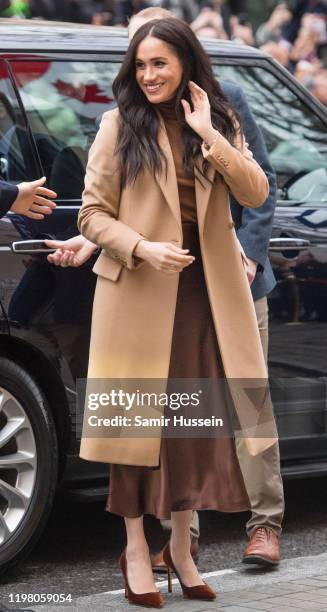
63, 101
296, 138
16, 158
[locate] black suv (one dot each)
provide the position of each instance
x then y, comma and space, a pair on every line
55, 81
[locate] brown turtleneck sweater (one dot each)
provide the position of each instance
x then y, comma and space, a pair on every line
186, 185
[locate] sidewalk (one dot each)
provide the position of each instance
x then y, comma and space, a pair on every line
297, 585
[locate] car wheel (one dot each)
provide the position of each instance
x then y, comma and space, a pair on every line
28, 462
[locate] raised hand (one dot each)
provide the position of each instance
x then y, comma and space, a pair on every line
200, 118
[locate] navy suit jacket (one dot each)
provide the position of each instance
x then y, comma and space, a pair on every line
254, 225
8, 194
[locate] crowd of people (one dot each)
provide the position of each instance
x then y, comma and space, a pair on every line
294, 32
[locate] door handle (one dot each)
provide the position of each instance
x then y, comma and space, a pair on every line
30, 247
288, 244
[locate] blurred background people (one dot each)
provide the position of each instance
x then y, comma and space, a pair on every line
184, 9
278, 51
317, 85
272, 29
209, 22
241, 30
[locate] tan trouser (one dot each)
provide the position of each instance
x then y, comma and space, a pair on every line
261, 473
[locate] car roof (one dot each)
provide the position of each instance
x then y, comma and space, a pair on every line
38, 35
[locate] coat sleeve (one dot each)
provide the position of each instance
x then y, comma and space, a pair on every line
98, 217
8, 194
243, 176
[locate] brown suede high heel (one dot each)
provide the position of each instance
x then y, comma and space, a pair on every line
200, 591
153, 599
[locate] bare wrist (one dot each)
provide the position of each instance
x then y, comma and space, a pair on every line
209, 136
140, 249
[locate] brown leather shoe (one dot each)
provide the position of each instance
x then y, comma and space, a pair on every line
263, 548
158, 564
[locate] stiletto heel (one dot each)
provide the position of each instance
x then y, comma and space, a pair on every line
170, 586
200, 591
153, 599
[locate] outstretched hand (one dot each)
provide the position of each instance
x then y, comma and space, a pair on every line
73, 252
32, 200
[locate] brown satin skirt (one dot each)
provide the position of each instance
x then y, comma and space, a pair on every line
194, 473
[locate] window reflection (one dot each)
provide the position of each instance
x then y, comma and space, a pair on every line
296, 138
62, 102
16, 160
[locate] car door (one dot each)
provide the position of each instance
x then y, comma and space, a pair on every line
17, 163
294, 129
62, 99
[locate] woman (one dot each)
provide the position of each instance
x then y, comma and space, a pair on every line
156, 201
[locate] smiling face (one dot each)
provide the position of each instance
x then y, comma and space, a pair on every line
158, 70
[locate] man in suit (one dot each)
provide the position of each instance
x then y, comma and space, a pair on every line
261, 473
28, 199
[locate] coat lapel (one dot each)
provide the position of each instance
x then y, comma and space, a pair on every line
202, 195
168, 184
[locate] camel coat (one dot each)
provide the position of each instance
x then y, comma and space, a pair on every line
134, 304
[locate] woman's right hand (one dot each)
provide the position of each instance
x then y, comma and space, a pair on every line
164, 256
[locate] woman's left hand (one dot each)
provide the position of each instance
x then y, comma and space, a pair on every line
200, 119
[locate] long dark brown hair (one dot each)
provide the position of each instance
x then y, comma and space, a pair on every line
137, 142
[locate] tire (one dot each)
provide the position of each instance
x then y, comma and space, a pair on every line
28, 463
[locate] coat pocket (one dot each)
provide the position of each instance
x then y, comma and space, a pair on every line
107, 267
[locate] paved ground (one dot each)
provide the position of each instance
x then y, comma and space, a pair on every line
79, 551
298, 585
82, 543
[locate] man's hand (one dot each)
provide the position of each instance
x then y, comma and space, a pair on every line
32, 200
251, 269
73, 252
